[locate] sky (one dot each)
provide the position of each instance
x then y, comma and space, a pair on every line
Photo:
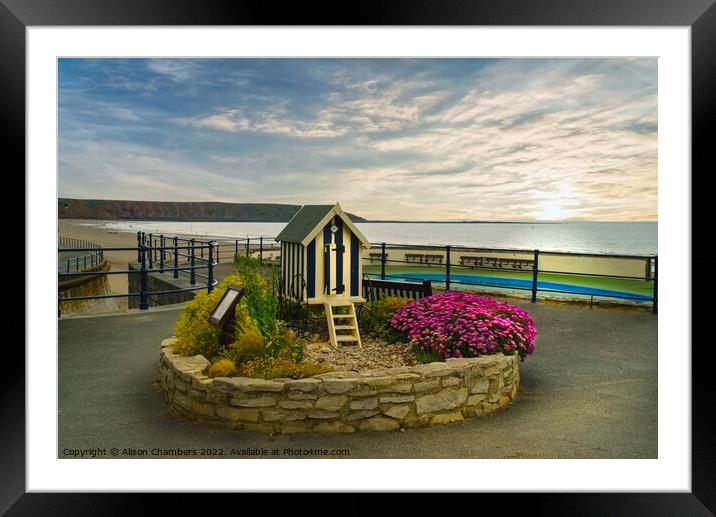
405, 139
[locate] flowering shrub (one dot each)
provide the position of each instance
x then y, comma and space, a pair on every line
458, 324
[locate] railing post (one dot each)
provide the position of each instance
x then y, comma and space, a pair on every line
217, 251
139, 246
192, 276
201, 251
248, 240
77, 264
447, 267
210, 279
655, 299
382, 261
261, 249
84, 259
176, 259
535, 271
161, 254
236, 251
143, 299
151, 252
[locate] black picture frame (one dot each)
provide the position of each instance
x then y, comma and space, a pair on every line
700, 15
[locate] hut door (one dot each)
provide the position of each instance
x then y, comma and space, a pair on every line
328, 259
333, 250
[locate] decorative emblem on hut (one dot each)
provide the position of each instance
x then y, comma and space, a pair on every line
321, 264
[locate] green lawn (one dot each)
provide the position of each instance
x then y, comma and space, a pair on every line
642, 287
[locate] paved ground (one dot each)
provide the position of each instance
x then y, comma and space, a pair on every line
590, 391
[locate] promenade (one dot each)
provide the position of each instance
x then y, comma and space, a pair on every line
589, 391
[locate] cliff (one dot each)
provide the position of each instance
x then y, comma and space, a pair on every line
177, 211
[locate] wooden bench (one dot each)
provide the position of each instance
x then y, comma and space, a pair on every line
433, 259
414, 258
496, 262
376, 289
377, 257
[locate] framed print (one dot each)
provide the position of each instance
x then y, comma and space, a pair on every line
108, 87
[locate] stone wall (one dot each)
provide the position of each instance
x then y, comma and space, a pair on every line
341, 402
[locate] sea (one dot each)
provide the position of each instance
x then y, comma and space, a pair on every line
620, 238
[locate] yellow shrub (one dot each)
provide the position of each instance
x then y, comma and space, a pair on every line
283, 365
194, 332
248, 345
221, 368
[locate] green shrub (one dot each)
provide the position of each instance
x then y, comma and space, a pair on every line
262, 304
286, 339
221, 368
428, 356
383, 310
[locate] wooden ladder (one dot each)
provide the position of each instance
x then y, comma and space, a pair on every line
348, 324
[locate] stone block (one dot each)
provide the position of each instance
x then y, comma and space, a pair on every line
396, 399
335, 386
451, 381
331, 402
261, 401
474, 400
480, 385
361, 414
238, 414
444, 400
276, 414
446, 418
305, 385
426, 386
398, 412
322, 414
297, 395
333, 427
398, 387
417, 421
379, 423
295, 404
364, 403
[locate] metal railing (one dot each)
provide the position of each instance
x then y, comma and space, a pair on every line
88, 254
247, 246
529, 266
154, 255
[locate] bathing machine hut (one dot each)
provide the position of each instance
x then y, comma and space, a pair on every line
321, 265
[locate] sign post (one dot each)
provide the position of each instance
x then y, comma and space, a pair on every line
224, 316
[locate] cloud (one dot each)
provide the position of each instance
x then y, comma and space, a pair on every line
512, 139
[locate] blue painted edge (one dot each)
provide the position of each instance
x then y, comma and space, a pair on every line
327, 258
340, 287
311, 273
355, 261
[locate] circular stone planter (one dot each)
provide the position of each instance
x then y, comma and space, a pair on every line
341, 402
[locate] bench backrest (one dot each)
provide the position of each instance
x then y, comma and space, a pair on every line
377, 289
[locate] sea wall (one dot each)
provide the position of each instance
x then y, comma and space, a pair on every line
160, 282
341, 402
88, 285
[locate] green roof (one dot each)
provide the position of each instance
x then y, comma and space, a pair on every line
305, 220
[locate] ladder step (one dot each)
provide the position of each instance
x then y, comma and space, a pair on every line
344, 327
342, 316
346, 338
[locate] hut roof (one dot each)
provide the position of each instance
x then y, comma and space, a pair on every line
311, 219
